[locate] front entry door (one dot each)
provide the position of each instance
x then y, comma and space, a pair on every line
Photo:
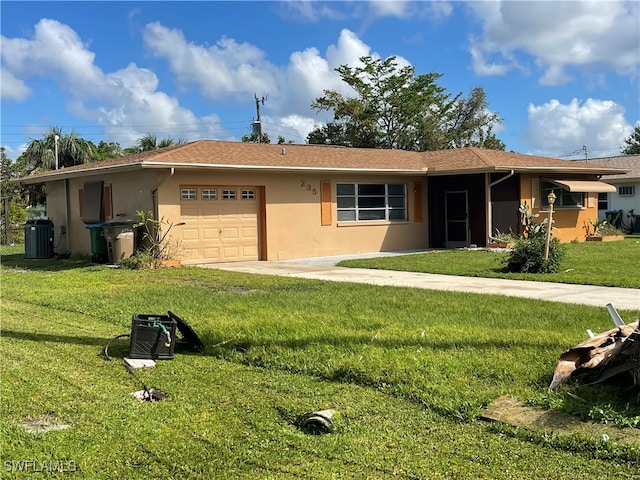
457, 219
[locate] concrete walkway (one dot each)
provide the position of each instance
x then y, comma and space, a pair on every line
324, 268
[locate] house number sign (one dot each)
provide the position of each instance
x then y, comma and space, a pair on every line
309, 188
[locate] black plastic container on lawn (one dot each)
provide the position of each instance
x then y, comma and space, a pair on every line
152, 337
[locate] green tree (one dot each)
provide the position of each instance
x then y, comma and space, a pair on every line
106, 150
254, 137
150, 142
632, 142
395, 108
71, 150
13, 205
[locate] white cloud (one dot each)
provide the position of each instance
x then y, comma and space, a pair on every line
554, 128
12, 88
225, 68
127, 102
558, 35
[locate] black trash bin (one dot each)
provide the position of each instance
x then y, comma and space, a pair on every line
38, 239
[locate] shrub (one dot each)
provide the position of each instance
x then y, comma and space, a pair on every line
527, 256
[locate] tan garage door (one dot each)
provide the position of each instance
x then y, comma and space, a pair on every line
220, 223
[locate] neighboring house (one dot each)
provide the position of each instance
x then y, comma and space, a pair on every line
626, 198
246, 201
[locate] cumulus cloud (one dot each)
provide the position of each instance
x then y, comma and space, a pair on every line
12, 88
555, 128
226, 68
560, 36
126, 98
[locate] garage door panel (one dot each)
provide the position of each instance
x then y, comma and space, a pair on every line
220, 230
189, 212
190, 234
210, 253
210, 233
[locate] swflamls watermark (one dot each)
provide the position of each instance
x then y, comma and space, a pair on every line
40, 466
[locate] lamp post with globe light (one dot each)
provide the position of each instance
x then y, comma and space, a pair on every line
551, 198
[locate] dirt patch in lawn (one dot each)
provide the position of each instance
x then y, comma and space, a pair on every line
519, 414
43, 423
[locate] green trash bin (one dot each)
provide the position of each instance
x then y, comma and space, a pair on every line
98, 243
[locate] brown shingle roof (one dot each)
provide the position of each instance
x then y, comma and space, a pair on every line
220, 154
631, 163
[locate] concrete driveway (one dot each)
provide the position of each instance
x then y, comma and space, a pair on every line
324, 268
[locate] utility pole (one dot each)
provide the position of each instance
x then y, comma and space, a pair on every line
256, 127
586, 153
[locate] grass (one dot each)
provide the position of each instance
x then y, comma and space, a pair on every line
407, 370
612, 264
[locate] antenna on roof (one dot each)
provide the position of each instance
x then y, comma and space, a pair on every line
256, 126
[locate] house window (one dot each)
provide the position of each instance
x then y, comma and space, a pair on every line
626, 191
209, 194
603, 201
228, 194
248, 194
564, 198
364, 202
188, 194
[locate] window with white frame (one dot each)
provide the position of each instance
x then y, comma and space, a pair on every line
564, 199
248, 194
603, 201
365, 202
209, 194
188, 193
626, 190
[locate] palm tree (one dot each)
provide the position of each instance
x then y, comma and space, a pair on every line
57, 150
150, 142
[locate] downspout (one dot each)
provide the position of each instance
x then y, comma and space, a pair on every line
488, 201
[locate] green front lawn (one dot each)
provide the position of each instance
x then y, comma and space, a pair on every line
407, 370
613, 264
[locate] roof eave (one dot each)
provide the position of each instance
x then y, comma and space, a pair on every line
284, 168
64, 174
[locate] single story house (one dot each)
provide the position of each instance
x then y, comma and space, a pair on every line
626, 197
245, 201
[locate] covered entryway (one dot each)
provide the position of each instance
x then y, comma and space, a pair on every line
220, 223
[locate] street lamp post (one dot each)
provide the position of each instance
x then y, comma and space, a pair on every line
55, 140
551, 198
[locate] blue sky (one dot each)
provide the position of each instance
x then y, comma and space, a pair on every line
561, 75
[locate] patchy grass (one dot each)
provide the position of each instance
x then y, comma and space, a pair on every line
407, 370
613, 264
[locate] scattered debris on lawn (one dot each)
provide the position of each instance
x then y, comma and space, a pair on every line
43, 423
317, 423
519, 414
150, 395
146, 394
612, 356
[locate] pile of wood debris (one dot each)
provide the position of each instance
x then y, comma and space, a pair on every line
609, 356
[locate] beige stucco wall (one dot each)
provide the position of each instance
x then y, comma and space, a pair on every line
293, 214
569, 223
130, 192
